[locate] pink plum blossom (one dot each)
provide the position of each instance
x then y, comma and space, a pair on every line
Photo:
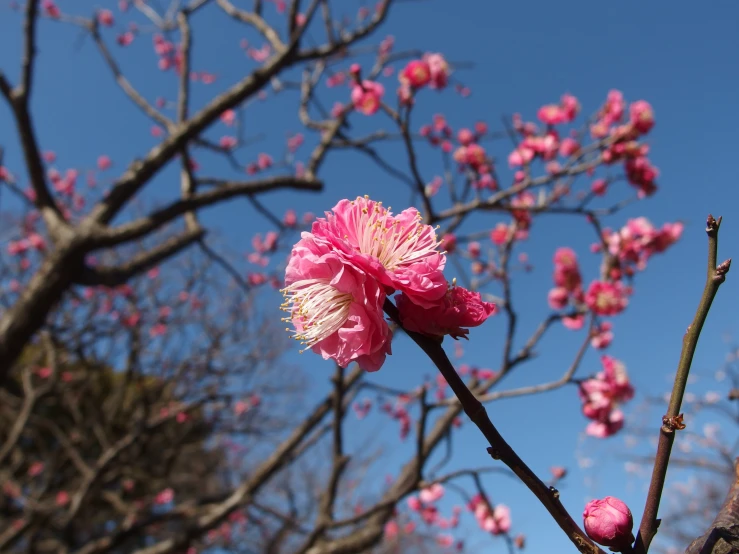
551, 114
104, 163
457, 310
439, 70
607, 426
496, 521
601, 396
602, 336
399, 251
335, 306
105, 17
641, 116
431, 494
51, 9
367, 97
598, 187
416, 74
558, 298
607, 298
228, 117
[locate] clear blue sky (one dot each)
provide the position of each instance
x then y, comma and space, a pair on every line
680, 57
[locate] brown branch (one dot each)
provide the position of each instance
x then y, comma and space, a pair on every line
5, 87
499, 449
328, 50
23, 91
124, 83
246, 490
256, 21
41, 295
118, 275
140, 172
716, 274
723, 535
184, 89
404, 126
35, 167
543, 387
339, 461
224, 191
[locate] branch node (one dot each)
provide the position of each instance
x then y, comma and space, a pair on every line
494, 453
712, 225
555, 493
672, 424
721, 270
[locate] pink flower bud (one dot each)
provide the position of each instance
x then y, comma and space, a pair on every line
609, 522
458, 309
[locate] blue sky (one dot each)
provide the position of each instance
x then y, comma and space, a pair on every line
682, 60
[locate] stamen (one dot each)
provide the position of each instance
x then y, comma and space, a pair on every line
379, 235
318, 309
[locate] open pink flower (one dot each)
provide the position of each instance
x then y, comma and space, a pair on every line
601, 396
399, 251
570, 105
104, 162
551, 114
391, 530
558, 298
335, 307
607, 298
497, 521
431, 494
367, 96
614, 373
602, 336
439, 69
607, 426
641, 116
105, 17
458, 309
416, 74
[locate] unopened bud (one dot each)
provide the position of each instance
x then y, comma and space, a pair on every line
609, 522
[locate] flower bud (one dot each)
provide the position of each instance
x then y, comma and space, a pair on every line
609, 522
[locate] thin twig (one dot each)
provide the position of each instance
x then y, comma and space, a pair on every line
672, 421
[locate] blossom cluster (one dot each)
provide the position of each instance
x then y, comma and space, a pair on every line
601, 396
431, 70
496, 521
636, 242
340, 273
424, 506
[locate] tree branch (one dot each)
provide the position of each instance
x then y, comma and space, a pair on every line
124, 83
672, 421
256, 21
116, 276
23, 92
499, 448
224, 191
723, 535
